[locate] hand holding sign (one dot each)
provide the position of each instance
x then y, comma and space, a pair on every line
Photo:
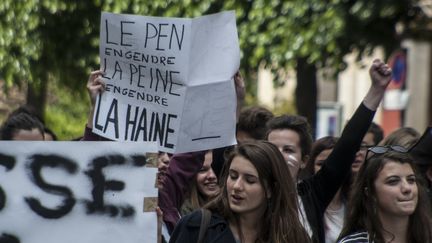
154, 66
95, 85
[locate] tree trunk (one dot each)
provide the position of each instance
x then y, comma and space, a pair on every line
37, 96
306, 92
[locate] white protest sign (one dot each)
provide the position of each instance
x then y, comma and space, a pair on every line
168, 80
72, 192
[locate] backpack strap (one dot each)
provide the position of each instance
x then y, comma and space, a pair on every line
205, 221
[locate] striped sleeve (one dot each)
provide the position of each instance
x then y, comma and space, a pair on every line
359, 237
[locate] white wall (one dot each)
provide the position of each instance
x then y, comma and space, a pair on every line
354, 83
418, 83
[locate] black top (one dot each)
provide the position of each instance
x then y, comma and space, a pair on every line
187, 229
422, 150
317, 191
422, 154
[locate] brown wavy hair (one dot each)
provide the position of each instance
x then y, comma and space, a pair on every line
281, 220
300, 125
362, 211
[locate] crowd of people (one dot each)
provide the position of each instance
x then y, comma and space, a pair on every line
279, 185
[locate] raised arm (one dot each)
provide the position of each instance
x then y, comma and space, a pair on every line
338, 165
380, 74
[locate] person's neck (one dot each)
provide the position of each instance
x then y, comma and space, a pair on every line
249, 224
336, 202
395, 229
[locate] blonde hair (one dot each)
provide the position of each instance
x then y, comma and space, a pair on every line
405, 137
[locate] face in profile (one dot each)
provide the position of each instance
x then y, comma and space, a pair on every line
288, 143
206, 179
245, 192
319, 160
396, 190
359, 159
163, 160
162, 164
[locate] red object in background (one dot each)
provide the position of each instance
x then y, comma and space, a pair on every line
392, 119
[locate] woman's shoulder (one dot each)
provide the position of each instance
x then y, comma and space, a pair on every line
188, 228
357, 237
194, 219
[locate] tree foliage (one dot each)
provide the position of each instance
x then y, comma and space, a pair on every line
57, 41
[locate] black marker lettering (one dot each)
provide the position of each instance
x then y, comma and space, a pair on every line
117, 69
101, 184
169, 130
122, 33
131, 122
8, 162
37, 162
159, 129
179, 41
141, 70
142, 125
107, 33
8, 238
96, 125
159, 37
113, 111
133, 69
147, 33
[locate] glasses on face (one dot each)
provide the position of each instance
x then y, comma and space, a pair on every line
384, 149
364, 147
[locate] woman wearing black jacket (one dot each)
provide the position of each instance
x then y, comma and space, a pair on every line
256, 203
290, 135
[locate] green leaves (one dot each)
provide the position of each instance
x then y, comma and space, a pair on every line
17, 22
60, 39
274, 31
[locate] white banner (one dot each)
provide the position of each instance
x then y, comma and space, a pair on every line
70, 192
168, 80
